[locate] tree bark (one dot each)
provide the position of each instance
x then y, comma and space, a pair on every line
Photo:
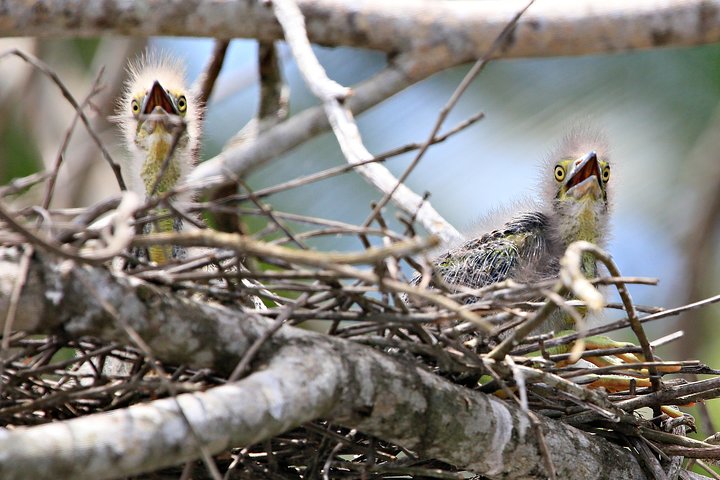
462, 29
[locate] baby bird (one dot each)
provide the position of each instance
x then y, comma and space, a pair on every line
528, 248
156, 110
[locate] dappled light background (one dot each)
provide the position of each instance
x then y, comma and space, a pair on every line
659, 109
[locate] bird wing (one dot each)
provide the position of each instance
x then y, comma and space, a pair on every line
508, 252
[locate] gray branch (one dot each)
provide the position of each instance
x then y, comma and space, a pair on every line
463, 30
344, 382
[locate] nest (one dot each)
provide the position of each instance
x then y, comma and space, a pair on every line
486, 346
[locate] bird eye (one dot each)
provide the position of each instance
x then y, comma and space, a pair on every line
182, 104
135, 106
559, 173
606, 174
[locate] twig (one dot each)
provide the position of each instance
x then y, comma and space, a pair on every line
576, 250
511, 341
94, 90
16, 185
341, 119
478, 67
206, 81
249, 246
40, 65
624, 323
44, 244
271, 215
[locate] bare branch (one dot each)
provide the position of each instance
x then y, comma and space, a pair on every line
463, 30
342, 122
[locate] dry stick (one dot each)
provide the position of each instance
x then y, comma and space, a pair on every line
249, 246
44, 68
206, 81
625, 366
645, 455
330, 260
12, 307
668, 394
122, 231
87, 216
577, 249
50, 189
334, 171
341, 120
342, 226
597, 399
270, 214
622, 324
44, 244
285, 314
499, 352
333, 452
476, 69
138, 341
707, 468
16, 185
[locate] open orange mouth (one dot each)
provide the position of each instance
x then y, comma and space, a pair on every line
158, 97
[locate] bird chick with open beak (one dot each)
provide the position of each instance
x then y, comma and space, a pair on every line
528, 247
160, 119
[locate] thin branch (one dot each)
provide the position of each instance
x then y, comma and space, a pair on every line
343, 124
248, 246
50, 188
45, 69
500, 42
206, 81
241, 159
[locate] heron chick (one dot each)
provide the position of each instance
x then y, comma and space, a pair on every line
160, 119
529, 246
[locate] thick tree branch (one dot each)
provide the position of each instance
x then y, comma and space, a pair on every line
372, 392
463, 29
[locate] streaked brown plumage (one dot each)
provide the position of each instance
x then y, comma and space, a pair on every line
529, 246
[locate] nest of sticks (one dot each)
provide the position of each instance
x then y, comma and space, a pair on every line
487, 345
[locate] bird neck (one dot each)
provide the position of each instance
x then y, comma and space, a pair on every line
151, 171
157, 181
581, 220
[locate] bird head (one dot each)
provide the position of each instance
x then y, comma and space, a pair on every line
577, 175
156, 107
582, 179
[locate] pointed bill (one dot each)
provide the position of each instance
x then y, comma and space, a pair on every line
585, 177
158, 97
